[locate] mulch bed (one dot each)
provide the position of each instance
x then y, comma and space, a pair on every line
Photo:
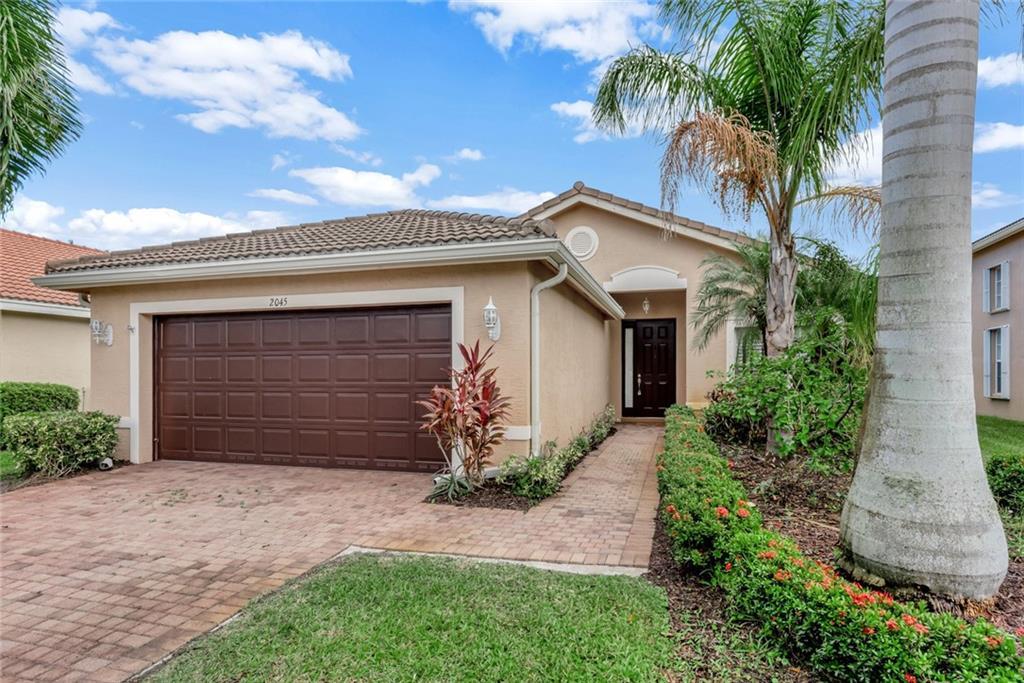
38, 479
703, 607
806, 506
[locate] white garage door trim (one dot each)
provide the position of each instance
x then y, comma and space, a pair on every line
426, 295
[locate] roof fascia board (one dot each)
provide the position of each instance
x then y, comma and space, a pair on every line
638, 216
999, 235
434, 255
43, 308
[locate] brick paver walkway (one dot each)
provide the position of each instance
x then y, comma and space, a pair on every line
104, 574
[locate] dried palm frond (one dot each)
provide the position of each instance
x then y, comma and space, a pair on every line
722, 153
859, 206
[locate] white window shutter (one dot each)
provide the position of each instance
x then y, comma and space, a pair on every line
1006, 284
986, 278
986, 363
1006, 360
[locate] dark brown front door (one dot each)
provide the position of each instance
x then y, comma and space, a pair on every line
327, 388
649, 374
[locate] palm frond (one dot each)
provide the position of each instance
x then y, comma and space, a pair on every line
722, 153
38, 113
856, 206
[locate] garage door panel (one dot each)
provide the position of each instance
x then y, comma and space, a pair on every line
276, 368
315, 368
392, 367
242, 369
392, 328
208, 369
332, 389
352, 368
176, 369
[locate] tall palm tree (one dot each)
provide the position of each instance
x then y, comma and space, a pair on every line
761, 120
919, 509
38, 113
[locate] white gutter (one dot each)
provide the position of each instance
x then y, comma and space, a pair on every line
43, 308
563, 272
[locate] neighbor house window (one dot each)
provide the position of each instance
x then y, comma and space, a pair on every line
995, 288
996, 359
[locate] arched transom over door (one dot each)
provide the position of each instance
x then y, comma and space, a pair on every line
326, 388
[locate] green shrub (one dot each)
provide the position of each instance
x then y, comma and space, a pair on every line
61, 442
34, 397
844, 631
541, 476
813, 393
1006, 479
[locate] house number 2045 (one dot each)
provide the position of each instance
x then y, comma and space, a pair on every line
278, 301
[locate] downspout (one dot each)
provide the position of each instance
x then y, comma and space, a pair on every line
563, 271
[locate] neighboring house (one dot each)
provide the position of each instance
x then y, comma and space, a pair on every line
309, 344
44, 333
998, 322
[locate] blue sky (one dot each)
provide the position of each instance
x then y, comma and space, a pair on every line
204, 118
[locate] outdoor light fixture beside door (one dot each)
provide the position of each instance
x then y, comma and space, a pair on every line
646, 305
102, 334
491, 320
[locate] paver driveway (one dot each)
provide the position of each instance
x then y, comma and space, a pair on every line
104, 574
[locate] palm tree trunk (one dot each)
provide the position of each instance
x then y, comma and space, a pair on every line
781, 290
919, 510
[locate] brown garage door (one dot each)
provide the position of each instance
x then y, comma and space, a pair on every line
321, 388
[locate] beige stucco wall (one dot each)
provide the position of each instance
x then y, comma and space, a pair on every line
507, 283
574, 368
625, 243
44, 348
1012, 250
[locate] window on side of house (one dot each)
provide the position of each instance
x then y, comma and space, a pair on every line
995, 294
996, 361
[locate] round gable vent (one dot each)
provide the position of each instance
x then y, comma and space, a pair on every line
582, 242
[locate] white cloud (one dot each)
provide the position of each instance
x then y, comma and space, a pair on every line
591, 30
236, 81
34, 216
994, 137
368, 188
368, 158
1007, 69
508, 200
990, 196
579, 113
465, 154
138, 125
281, 160
77, 28
285, 196
862, 164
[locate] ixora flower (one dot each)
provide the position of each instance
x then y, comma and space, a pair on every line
743, 512
782, 575
767, 555
994, 641
868, 631
728, 566
910, 678
892, 624
721, 511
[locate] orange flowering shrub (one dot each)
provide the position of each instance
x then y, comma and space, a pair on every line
842, 630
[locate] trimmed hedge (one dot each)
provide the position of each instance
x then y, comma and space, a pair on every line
541, 476
34, 397
843, 631
61, 442
1006, 478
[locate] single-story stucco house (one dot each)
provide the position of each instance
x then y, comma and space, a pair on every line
309, 344
44, 333
998, 321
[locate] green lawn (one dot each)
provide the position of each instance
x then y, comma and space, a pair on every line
374, 618
999, 436
9, 467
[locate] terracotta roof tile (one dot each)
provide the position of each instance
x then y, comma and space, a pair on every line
579, 188
23, 257
391, 230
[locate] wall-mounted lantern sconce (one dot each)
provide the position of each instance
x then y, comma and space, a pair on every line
491, 320
646, 305
102, 334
